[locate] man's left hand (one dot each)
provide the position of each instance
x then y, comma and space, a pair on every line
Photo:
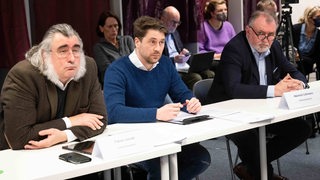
54, 136
193, 105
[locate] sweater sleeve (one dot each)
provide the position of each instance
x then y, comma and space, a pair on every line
115, 99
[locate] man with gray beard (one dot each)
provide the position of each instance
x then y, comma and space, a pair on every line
253, 66
53, 96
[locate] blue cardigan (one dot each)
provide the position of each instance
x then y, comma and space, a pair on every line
133, 95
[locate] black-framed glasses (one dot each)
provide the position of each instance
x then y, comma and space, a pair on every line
262, 36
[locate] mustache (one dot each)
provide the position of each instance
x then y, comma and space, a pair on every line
156, 52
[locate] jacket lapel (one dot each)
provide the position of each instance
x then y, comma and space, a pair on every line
254, 68
73, 96
53, 98
269, 68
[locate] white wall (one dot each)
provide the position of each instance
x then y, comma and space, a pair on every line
298, 9
116, 7
235, 14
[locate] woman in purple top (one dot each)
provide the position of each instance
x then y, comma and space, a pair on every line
215, 31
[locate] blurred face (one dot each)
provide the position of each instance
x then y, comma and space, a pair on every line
272, 8
171, 21
261, 34
316, 15
221, 9
110, 29
149, 48
315, 19
65, 56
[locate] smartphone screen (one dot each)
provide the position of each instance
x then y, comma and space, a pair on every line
74, 158
82, 147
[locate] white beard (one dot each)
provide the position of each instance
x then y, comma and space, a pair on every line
50, 73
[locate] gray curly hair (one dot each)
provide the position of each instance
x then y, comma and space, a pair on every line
34, 55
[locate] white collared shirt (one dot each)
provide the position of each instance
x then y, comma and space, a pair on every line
136, 62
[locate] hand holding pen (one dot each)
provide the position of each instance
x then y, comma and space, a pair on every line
171, 111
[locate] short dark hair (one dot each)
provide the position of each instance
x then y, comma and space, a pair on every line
144, 23
269, 17
211, 7
102, 19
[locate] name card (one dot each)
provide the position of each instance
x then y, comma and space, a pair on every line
120, 144
301, 98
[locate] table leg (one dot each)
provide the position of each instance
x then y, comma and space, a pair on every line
173, 167
263, 153
117, 173
164, 162
107, 174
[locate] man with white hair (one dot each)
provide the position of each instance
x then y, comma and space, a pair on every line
53, 96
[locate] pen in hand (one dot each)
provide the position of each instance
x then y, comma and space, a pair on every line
184, 104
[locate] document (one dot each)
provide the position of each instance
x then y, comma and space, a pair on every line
217, 113
183, 66
248, 117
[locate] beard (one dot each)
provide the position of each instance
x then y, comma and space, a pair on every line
261, 48
51, 74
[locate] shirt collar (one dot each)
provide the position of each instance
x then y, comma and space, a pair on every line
137, 63
60, 85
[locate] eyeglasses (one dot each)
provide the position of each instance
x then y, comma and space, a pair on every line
176, 23
262, 36
64, 53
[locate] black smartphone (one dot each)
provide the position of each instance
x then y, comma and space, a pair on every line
82, 147
74, 158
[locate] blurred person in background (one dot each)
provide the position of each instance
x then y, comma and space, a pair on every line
111, 45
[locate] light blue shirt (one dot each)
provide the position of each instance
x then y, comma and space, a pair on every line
171, 46
305, 44
261, 63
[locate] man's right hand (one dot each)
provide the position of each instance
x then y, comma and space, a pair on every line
169, 111
87, 119
179, 58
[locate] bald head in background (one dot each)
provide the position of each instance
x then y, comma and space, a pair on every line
171, 18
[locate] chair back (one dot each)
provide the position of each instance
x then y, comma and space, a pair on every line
201, 88
167, 100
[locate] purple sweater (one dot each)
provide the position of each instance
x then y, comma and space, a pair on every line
210, 39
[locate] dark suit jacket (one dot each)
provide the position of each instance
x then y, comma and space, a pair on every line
29, 104
313, 56
177, 42
238, 76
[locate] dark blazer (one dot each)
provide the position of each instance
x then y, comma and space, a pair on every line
177, 42
238, 76
29, 104
313, 56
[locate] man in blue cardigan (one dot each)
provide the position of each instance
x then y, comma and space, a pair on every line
135, 89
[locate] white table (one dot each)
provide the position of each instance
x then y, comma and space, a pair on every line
217, 127
45, 164
269, 105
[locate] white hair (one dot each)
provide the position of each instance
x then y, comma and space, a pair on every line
39, 56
